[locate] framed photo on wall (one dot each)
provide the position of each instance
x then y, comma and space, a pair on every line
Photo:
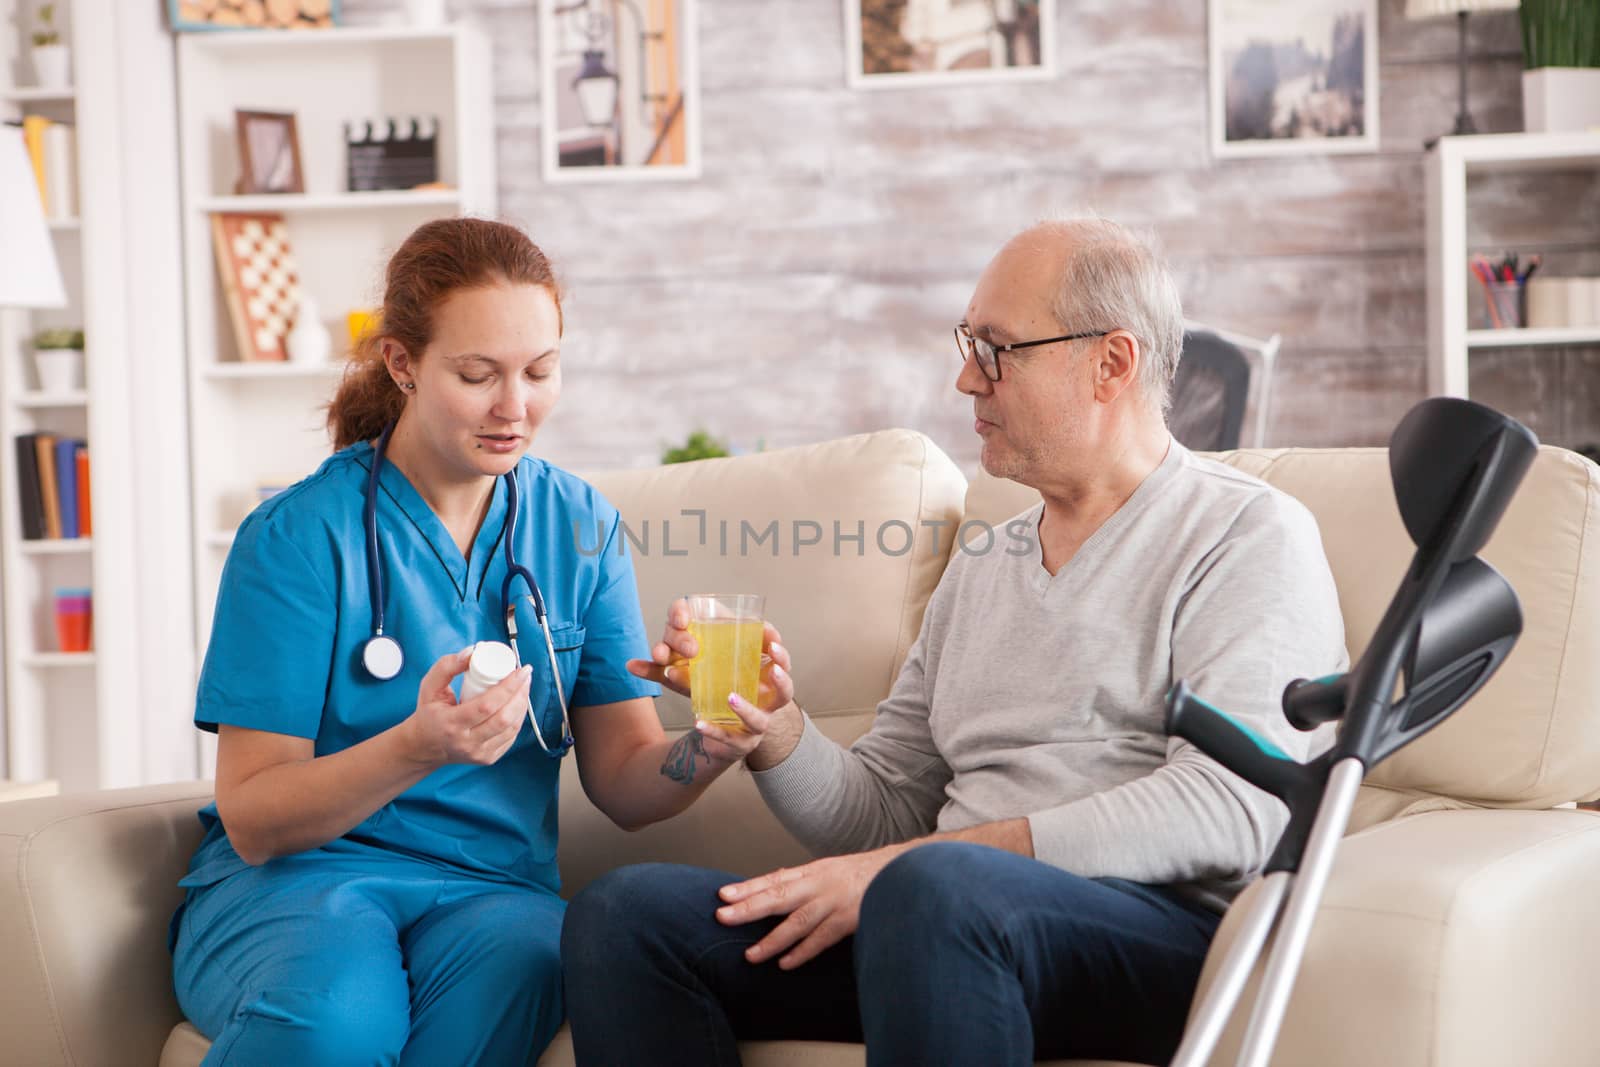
186, 16
269, 152
1293, 78
620, 89
892, 43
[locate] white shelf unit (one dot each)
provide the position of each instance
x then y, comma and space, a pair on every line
1449, 165
254, 423
76, 717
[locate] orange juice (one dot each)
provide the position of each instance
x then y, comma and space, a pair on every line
729, 662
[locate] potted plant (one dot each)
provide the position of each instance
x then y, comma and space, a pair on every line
51, 62
1561, 51
700, 445
58, 360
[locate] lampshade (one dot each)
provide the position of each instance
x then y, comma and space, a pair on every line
29, 277
1425, 9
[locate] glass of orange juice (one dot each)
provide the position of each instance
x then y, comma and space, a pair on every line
728, 627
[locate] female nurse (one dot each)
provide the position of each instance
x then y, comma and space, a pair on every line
377, 883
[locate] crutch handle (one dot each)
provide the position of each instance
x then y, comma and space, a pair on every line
1310, 702
1231, 743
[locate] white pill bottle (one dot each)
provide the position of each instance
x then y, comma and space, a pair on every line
491, 662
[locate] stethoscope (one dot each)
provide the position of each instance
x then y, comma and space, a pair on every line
382, 655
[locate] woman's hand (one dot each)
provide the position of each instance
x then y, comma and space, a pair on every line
480, 731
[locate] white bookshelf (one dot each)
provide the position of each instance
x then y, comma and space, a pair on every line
1449, 165
57, 547
82, 718
253, 423
242, 372
298, 203
58, 660
27, 95
32, 398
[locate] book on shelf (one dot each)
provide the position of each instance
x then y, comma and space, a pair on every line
53, 486
52, 149
44, 447
29, 492
67, 484
81, 462
33, 127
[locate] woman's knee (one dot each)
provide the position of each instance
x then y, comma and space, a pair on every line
343, 1024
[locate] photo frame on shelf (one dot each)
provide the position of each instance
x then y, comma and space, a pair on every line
906, 43
260, 283
1290, 79
620, 89
189, 16
269, 152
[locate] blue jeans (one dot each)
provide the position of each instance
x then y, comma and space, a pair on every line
964, 954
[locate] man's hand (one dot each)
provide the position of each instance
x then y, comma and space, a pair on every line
821, 899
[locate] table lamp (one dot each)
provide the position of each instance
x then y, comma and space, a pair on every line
29, 277
1421, 9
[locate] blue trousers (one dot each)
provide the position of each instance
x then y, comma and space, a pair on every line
963, 955
320, 959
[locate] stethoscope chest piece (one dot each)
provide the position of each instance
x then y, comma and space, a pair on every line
382, 657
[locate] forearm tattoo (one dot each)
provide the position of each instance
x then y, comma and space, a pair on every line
681, 763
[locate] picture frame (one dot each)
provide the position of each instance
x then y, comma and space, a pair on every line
620, 90
206, 16
1283, 78
269, 152
911, 43
260, 281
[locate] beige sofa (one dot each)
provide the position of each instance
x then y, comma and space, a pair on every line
1458, 930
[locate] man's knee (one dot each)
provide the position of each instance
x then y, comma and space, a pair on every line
616, 899
617, 914
930, 884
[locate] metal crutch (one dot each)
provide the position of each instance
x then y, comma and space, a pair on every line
1455, 467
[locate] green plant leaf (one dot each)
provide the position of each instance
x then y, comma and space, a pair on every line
700, 445
58, 338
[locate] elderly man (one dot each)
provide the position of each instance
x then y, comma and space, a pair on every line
1022, 862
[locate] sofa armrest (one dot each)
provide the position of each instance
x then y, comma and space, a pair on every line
1450, 939
88, 883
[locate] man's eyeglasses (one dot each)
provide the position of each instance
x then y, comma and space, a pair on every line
988, 355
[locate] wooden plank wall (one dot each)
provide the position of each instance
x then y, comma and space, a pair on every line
805, 286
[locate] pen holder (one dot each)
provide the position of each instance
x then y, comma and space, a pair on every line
1504, 305
74, 620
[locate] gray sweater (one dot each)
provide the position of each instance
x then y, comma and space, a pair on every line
1040, 696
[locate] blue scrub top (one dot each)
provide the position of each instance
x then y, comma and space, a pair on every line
293, 613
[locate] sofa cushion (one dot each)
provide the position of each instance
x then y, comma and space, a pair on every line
1528, 739
1452, 939
772, 1054
848, 609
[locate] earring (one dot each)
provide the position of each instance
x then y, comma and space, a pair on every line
407, 385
